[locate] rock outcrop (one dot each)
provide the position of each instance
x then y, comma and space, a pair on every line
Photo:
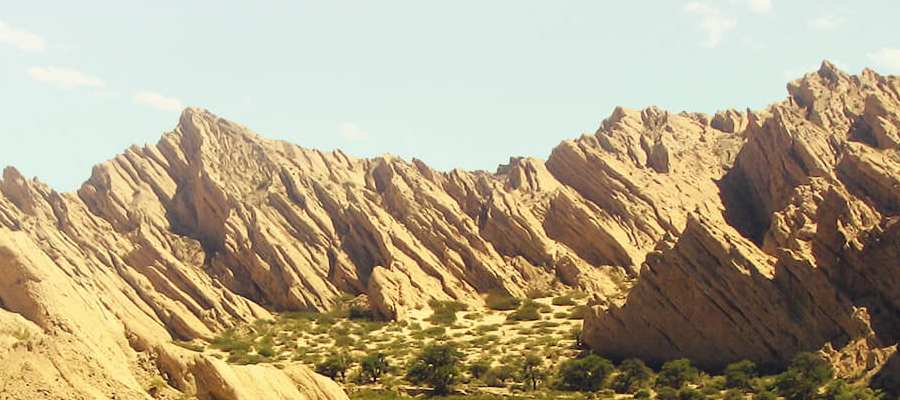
804, 255
749, 234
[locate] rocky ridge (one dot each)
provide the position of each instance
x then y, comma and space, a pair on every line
749, 234
806, 254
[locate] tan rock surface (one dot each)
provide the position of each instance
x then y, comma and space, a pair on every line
755, 234
807, 255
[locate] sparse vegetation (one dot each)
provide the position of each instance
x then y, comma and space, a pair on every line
530, 310
588, 374
528, 352
436, 366
807, 373
676, 373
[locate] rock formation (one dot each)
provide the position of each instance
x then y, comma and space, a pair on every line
749, 234
805, 254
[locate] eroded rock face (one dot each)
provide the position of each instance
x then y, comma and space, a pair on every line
750, 234
215, 226
804, 255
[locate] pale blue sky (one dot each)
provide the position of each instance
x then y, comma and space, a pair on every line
456, 83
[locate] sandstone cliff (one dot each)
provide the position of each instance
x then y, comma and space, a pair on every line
806, 253
749, 234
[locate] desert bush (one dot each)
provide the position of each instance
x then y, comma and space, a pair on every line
587, 374
633, 375
478, 368
676, 373
564, 300
840, 390
335, 366
374, 366
740, 375
532, 370
498, 376
806, 374
530, 310
444, 312
437, 366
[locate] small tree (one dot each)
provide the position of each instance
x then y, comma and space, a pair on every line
374, 366
478, 368
806, 374
498, 375
676, 373
587, 374
437, 365
633, 375
532, 370
740, 375
335, 366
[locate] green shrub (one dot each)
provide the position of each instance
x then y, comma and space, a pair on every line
437, 366
501, 302
445, 311
231, 342
374, 366
335, 366
265, 350
478, 368
642, 394
587, 374
806, 374
532, 370
564, 300
840, 390
740, 375
633, 375
498, 376
530, 310
676, 373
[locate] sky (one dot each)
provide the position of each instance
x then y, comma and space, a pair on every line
457, 84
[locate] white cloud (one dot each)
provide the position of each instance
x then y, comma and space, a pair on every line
64, 77
825, 23
886, 58
21, 39
158, 101
712, 22
761, 6
351, 131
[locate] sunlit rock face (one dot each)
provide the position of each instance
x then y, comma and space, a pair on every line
801, 251
743, 234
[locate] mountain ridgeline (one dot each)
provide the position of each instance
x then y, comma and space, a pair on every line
742, 235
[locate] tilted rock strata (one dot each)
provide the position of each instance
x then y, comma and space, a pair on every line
808, 253
755, 234
215, 226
